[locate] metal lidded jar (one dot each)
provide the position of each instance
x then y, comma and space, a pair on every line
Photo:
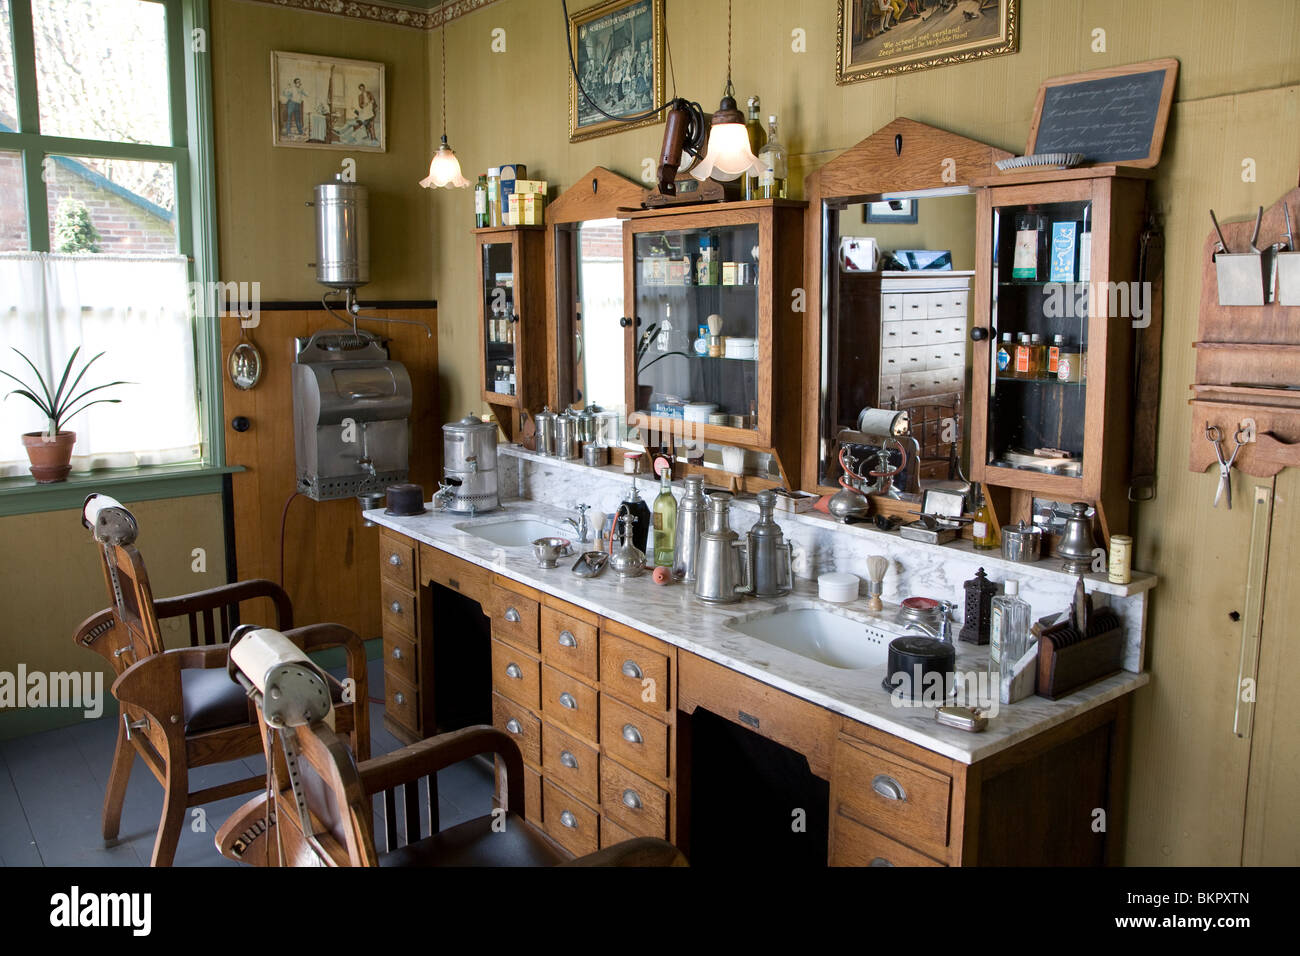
567, 443
469, 453
545, 422
690, 521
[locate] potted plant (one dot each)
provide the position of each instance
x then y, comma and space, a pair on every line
50, 451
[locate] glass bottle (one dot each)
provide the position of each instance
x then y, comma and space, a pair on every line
494, 196
1037, 356
480, 203
1009, 621
634, 505
757, 139
1023, 353
774, 159
1006, 356
984, 531
1054, 355
665, 523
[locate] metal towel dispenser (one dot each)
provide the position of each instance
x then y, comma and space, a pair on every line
351, 409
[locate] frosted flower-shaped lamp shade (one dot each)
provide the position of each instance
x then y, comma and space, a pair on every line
728, 155
444, 170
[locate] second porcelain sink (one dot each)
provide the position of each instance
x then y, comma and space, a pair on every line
517, 531
834, 638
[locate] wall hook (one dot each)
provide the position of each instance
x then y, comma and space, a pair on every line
898, 144
595, 184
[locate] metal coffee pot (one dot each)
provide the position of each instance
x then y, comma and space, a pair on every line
1075, 548
770, 557
690, 523
722, 566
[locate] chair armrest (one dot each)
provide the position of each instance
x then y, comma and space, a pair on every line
245, 838
101, 634
429, 756
641, 851
228, 594
316, 637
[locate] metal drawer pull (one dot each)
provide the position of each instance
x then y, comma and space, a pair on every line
566, 700
512, 670
395, 560
512, 725
397, 653
567, 639
399, 698
631, 734
569, 820
395, 607
631, 670
880, 861
568, 760
631, 800
888, 787
512, 615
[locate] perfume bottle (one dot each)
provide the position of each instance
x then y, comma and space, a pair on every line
1006, 355
1009, 633
774, 159
757, 139
984, 530
664, 519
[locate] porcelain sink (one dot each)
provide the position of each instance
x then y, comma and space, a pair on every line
832, 637
517, 531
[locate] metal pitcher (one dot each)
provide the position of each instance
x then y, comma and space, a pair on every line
722, 566
770, 557
690, 522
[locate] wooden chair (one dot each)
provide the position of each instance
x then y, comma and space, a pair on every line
341, 796
179, 708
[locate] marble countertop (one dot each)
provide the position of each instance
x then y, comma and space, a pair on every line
673, 614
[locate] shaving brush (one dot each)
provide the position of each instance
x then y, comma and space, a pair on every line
876, 568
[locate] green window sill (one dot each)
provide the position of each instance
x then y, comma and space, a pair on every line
24, 496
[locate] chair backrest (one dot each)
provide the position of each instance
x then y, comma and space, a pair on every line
126, 580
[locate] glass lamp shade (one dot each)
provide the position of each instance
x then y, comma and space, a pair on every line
444, 170
728, 155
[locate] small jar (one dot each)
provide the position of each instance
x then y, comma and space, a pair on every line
1119, 569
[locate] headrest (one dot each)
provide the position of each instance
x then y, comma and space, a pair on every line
108, 521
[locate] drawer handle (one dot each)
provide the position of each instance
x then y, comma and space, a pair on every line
567, 819
631, 800
631, 734
512, 725
512, 670
888, 787
399, 698
395, 607
880, 861
631, 670
566, 700
512, 615
397, 653
568, 760
395, 560
567, 639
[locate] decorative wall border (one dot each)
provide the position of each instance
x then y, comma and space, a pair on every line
379, 12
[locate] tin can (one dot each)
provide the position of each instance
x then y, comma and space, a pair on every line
1119, 569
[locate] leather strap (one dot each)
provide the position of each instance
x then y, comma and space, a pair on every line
1146, 367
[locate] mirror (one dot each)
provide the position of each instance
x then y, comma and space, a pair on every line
592, 343
897, 272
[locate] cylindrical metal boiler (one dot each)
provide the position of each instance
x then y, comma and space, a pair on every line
342, 234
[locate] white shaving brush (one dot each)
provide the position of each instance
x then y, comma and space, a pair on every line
876, 568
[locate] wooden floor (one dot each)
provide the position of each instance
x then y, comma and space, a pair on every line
52, 794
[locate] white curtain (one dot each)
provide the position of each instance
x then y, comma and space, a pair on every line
136, 310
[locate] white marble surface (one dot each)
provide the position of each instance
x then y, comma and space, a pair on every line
673, 614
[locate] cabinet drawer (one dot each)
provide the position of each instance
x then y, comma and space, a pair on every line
397, 560
533, 797
516, 675
916, 305
401, 702
611, 833
401, 658
398, 609
945, 358
514, 618
572, 764
634, 674
947, 305
451, 572
570, 703
632, 801
893, 335
572, 824
852, 844
902, 361
891, 307
914, 332
891, 389
946, 332
892, 794
634, 740
569, 644
521, 724
938, 382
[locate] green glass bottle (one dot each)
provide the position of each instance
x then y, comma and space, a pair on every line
665, 523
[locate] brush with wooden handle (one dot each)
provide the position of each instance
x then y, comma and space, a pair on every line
877, 565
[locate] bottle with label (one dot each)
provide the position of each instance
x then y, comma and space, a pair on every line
1009, 621
1029, 258
1023, 353
1054, 355
480, 203
757, 139
1071, 364
1037, 356
984, 529
494, 196
664, 551
775, 160
1006, 355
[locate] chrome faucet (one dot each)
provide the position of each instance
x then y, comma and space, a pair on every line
580, 526
446, 491
944, 632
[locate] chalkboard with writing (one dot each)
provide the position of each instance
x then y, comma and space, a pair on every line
1110, 116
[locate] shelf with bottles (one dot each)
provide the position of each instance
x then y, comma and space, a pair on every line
512, 315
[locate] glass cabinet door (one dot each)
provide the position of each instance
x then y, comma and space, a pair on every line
1039, 353
500, 318
697, 347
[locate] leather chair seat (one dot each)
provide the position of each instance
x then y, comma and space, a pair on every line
476, 844
212, 700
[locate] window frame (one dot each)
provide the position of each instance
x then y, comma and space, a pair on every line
191, 155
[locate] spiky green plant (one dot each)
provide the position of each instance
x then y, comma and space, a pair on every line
61, 405
73, 229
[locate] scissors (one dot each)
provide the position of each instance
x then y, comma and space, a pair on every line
1224, 493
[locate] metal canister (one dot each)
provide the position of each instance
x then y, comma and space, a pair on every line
690, 522
1119, 569
597, 456
587, 424
771, 559
342, 234
567, 443
545, 422
469, 454
1021, 543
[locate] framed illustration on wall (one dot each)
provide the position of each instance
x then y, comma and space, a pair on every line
885, 37
618, 53
890, 210
327, 102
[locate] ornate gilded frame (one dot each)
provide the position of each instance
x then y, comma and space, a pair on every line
600, 12
1007, 41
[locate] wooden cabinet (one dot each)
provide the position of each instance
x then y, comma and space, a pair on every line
405, 668
512, 315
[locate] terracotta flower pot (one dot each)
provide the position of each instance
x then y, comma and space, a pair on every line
50, 458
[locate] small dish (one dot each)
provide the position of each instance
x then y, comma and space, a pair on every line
548, 551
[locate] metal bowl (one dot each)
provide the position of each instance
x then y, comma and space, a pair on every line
549, 550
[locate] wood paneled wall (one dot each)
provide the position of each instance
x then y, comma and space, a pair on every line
330, 559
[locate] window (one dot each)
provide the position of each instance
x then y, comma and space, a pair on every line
98, 164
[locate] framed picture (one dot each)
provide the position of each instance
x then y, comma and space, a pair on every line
327, 103
618, 51
886, 37
891, 210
